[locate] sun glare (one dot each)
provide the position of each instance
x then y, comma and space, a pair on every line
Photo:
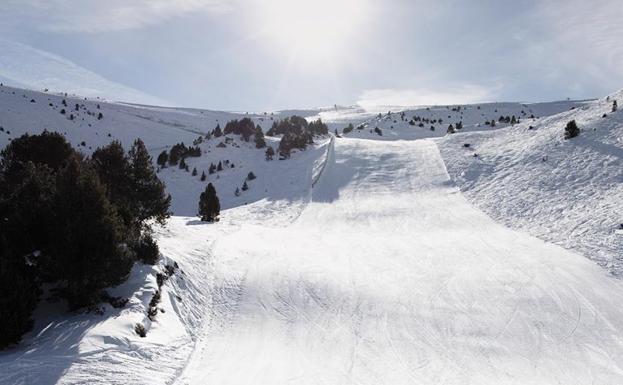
311, 30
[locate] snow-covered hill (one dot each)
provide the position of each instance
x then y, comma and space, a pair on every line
408, 123
565, 191
24, 111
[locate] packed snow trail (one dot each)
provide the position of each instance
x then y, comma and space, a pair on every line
389, 276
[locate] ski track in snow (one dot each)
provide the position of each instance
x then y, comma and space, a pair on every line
389, 276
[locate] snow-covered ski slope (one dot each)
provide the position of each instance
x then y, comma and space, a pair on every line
385, 272
528, 177
389, 276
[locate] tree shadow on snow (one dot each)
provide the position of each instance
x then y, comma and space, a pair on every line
53, 346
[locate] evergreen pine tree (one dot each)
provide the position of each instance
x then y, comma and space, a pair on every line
237, 192
217, 131
220, 166
615, 106
194, 173
163, 158
149, 191
203, 176
209, 205
85, 256
251, 176
245, 187
18, 294
260, 142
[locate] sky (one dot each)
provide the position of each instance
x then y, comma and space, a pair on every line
261, 55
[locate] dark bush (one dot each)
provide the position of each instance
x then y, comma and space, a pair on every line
571, 130
270, 153
146, 250
140, 330
163, 158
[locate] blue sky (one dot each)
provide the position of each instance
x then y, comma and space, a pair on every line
273, 54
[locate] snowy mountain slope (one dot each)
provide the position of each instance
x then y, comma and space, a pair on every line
565, 191
159, 127
28, 67
395, 122
275, 180
390, 276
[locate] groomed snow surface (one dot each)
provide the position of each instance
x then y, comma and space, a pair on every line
385, 272
390, 276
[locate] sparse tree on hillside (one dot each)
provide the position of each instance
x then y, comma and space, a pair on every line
260, 142
194, 173
245, 187
251, 176
209, 205
203, 176
615, 106
217, 131
220, 166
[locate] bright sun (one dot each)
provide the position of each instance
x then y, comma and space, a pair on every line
311, 29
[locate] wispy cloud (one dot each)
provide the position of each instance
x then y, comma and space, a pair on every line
28, 67
98, 15
416, 97
587, 35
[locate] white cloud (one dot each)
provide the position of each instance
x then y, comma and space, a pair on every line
25, 66
586, 35
417, 97
99, 15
